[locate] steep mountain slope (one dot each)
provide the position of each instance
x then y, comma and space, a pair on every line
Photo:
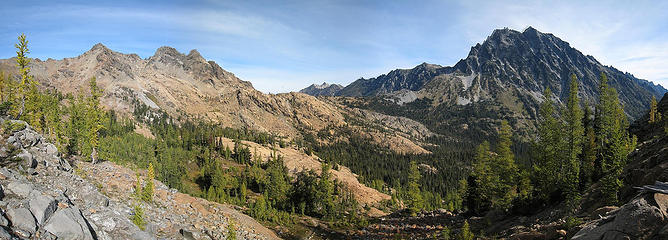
323, 89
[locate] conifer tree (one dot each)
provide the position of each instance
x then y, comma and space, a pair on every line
574, 134
26, 88
94, 116
505, 164
326, 187
652, 110
413, 192
614, 142
465, 233
549, 145
148, 189
138, 189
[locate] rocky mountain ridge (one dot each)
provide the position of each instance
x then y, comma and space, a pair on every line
512, 68
187, 85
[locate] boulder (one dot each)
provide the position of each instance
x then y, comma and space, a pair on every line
4, 234
3, 221
28, 160
22, 219
51, 149
68, 223
641, 218
21, 189
42, 207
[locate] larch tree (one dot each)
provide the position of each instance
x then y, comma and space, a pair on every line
413, 192
613, 140
147, 192
652, 110
26, 83
548, 147
574, 135
94, 116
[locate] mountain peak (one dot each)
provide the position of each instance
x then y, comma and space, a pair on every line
166, 51
99, 46
530, 29
194, 54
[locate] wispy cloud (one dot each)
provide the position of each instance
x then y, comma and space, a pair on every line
288, 45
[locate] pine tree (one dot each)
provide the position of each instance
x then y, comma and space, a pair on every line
652, 110
413, 192
574, 134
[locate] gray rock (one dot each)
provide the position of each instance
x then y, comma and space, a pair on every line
21, 189
42, 207
142, 236
68, 223
4, 234
639, 219
107, 223
22, 219
28, 160
51, 149
3, 221
64, 165
6, 173
4, 152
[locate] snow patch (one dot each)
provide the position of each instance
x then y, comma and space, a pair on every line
463, 101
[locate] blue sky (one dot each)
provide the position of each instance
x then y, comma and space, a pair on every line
284, 46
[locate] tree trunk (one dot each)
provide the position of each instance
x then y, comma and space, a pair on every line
93, 156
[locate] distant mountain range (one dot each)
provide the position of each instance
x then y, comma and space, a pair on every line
323, 89
510, 68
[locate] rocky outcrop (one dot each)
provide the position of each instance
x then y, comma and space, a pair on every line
644, 217
49, 200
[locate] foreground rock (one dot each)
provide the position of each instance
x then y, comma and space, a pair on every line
645, 217
47, 200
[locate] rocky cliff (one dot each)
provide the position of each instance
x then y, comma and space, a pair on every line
43, 196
